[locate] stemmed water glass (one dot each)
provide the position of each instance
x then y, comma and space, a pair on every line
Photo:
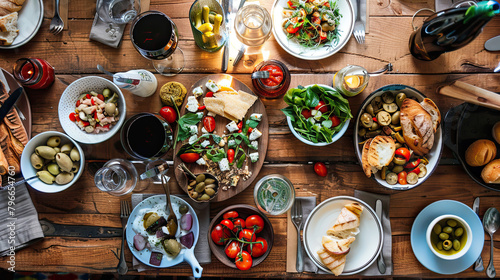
154, 36
253, 25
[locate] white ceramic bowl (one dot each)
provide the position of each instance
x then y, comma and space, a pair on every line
433, 156
67, 105
335, 137
28, 170
467, 230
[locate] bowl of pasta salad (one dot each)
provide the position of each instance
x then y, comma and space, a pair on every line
92, 109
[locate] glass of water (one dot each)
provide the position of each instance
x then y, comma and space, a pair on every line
253, 25
117, 177
274, 194
119, 11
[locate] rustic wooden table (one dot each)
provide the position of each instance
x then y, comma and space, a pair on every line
87, 221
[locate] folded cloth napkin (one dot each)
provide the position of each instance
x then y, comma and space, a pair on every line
107, 33
19, 225
202, 250
308, 204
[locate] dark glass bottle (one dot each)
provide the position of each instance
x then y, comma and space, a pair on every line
451, 29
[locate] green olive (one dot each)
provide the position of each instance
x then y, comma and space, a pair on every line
66, 148
451, 223
209, 181
388, 97
74, 154
183, 209
200, 187
377, 103
54, 141
194, 195
75, 167
210, 191
397, 169
399, 98
395, 119
373, 133
440, 245
437, 229
366, 120
64, 162
200, 178
211, 186
192, 183
46, 177
110, 109
53, 168
374, 126
447, 245
36, 161
57, 149
444, 236
204, 197
64, 178
391, 107
456, 245
362, 132
172, 247
459, 231
447, 230
46, 152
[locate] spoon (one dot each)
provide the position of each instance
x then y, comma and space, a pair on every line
491, 222
171, 219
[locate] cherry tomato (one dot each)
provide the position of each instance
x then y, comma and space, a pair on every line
240, 131
259, 249
220, 235
169, 114
322, 107
87, 96
250, 130
209, 123
335, 120
72, 117
306, 113
230, 155
92, 102
404, 153
232, 249
413, 164
239, 224
230, 215
247, 235
190, 157
322, 35
209, 94
255, 222
240, 125
320, 169
100, 96
228, 224
402, 178
294, 25
201, 108
243, 260
291, 5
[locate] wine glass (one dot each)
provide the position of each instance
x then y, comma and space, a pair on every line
154, 36
118, 11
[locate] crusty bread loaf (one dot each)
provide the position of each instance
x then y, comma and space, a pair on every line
418, 127
381, 151
367, 168
335, 263
496, 132
491, 172
480, 152
8, 29
10, 6
433, 110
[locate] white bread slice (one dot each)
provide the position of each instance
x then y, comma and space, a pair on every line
10, 6
367, 168
335, 263
8, 29
433, 110
336, 246
381, 151
348, 221
418, 128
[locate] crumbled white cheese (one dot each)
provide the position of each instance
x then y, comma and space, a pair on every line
317, 116
192, 104
198, 91
254, 157
231, 143
212, 86
256, 117
200, 114
254, 144
232, 126
205, 143
255, 134
193, 129
224, 165
201, 161
192, 139
203, 130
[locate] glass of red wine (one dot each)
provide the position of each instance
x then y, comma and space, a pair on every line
146, 136
154, 36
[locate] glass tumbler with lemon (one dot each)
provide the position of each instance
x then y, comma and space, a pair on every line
351, 80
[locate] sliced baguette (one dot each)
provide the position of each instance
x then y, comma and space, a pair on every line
367, 168
381, 151
335, 263
418, 128
337, 246
433, 110
348, 221
10, 6
8, 29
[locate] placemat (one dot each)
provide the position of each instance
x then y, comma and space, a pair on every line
308, 204
202, 250
49, 8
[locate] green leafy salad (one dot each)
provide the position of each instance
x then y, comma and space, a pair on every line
316, 113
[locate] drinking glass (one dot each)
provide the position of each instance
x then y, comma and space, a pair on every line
274, 194
118, 11
154, 36
117, 177
208, 40
253, 25
146, 136
351, 80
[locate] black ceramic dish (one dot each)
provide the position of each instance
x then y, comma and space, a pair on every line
465, 124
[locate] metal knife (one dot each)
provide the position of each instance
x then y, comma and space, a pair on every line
380, 260
478, 265
9, 103
154, 171
493, 44
225, 54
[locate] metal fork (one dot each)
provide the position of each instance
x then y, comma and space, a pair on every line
297, 222
57, 24
124, 214
359, 27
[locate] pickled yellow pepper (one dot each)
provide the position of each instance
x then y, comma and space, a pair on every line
206, 12
217, 22
197, 20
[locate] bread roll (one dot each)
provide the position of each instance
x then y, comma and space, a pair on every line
491, 172
8, 29
381, 151
496, 132
433, 110
480, 152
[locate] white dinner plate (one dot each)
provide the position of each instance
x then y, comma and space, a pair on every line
366, 247
29, 21
346, 26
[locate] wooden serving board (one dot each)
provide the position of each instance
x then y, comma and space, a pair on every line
220, 128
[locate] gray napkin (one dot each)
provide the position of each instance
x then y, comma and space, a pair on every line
107, 33
19, 225
202, 250
308, 204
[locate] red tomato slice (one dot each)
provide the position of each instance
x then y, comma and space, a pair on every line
306, 113
335, 120
209, 123
190, 157
322, 107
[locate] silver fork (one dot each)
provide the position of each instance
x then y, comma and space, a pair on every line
297, 222
57, 24
359, 27
124, 214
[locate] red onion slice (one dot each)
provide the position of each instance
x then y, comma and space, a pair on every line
140, 242
186, 222
187, 240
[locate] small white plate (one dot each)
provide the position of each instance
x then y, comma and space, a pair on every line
366, 247
346, 27
29, 21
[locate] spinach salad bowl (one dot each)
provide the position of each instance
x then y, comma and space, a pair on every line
318, 115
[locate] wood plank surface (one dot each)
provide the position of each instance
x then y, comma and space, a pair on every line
87, 227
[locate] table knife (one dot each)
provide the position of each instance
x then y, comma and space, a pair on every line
225, 54
478, 265
9, 103
380, 261
493, 44
154, 171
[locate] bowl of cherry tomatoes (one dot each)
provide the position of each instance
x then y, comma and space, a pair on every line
240, 236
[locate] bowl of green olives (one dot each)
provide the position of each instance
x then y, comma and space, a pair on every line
53, 162
449, 237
